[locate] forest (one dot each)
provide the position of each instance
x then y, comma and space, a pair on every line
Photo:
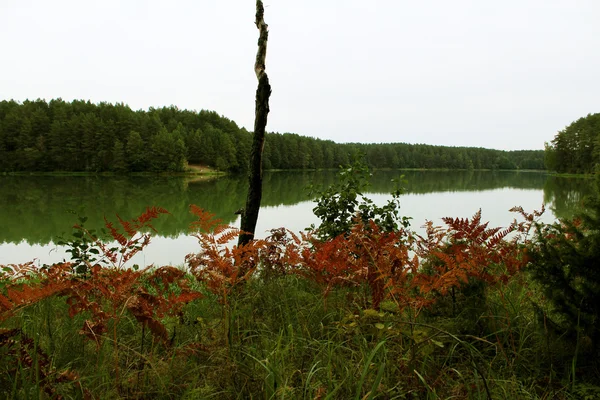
576, 149
81, 136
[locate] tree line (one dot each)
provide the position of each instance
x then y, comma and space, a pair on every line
576, 149
83, 136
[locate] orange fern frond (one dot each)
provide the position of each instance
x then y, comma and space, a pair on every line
227, 235
127, 226
150, 214
116, 235
206, 221
17, 271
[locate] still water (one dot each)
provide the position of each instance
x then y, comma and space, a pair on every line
36, 211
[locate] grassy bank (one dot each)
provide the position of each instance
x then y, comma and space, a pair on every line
353, 317
281, 338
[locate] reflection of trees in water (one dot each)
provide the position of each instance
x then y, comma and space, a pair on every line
445, 181
34, 208
564, 196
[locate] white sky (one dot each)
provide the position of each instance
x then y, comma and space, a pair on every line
501, 74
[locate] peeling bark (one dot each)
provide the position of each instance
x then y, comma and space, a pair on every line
263, 92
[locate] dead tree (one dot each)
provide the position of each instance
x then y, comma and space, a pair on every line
263, 92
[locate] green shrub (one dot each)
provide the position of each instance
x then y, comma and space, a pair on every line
566, 263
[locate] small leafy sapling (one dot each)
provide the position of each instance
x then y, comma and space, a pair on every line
82, 247
87, 248
341, 203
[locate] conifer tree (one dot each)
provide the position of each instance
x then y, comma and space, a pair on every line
118, 164
135, 151
566, 262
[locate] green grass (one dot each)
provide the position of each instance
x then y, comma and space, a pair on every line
282, 340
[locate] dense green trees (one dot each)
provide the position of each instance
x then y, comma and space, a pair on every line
82, 136
576, 149
565, 263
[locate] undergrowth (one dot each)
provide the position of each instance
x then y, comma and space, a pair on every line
371, 313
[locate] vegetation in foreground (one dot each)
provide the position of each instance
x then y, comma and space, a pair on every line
352, 311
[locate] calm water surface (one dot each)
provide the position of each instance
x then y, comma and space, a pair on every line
35, 211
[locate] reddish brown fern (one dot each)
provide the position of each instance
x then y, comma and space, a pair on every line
280, 253
110, 291
134, 238
221, 265
467, 249
367, 255
19, 292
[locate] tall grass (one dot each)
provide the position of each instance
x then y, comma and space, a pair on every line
284, 341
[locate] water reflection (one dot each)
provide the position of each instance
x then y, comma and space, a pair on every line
564, 196
34, 209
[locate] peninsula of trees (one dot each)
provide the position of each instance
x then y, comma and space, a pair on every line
42, 136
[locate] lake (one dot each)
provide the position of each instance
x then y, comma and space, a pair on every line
36, 211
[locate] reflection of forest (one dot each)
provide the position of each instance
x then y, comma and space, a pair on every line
564, 196
34, 208
458, 181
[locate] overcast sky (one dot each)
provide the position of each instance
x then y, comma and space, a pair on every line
499, 74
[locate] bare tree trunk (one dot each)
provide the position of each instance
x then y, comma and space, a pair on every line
263, 92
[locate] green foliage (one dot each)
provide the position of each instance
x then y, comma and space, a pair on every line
576, 149
343, 201
168, 152
89, 250
118, 163
160, 333
135, 152
82, 247
565, 262
81, 136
